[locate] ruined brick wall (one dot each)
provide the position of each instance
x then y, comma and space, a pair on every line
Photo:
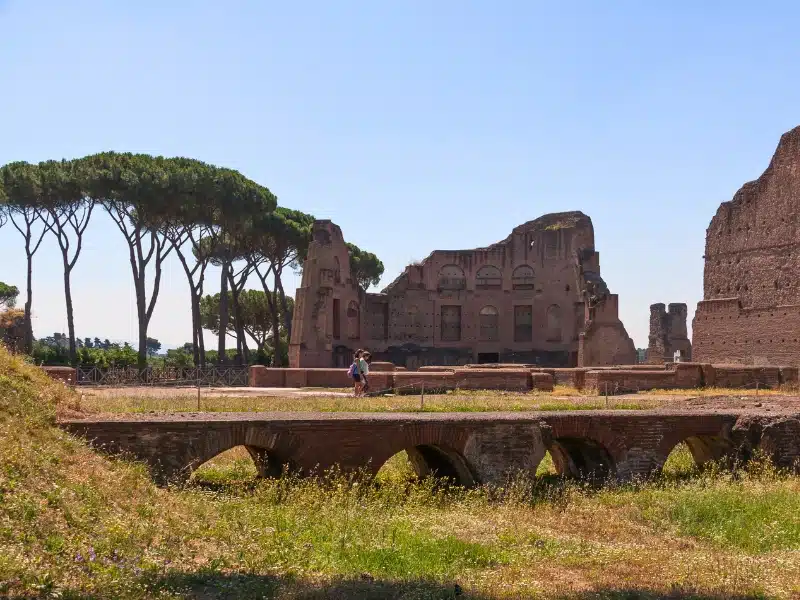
750, 312
724, 331
668, 334
520, 300
605, 341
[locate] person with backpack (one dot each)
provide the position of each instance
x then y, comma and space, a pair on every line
355, 373
363, 368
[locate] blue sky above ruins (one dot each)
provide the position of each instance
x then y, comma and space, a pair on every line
413, 125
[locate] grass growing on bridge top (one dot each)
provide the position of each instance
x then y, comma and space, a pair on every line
74, 524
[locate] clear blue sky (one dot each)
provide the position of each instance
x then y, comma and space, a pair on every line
413, 124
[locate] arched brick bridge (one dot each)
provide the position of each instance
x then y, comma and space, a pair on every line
470, 447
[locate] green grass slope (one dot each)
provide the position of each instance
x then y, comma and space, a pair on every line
74, 524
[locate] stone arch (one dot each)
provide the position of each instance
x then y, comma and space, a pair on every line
451, 277
705, 448
488, 277
489, 319
267, 461
553, 317
436, 460
522, 278
353, 320
582, 457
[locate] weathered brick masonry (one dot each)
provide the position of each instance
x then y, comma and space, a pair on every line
668, 335
603, 380
536, 297
750, 312
484, 447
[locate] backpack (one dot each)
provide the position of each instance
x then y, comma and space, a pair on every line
353, 370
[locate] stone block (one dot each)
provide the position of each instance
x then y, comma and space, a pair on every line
412, 382
377, 367
622, 381
296, 378
261, 376
328, 378
66, 375
513, 380
746, 377
542, 382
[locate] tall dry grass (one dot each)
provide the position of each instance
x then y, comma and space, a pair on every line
74, 524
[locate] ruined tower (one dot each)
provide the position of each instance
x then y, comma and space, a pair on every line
750, 312
668, 335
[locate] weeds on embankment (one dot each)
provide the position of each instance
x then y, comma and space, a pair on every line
74, 524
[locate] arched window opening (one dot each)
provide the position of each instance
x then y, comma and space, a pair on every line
553, 333
522, 278
451, 277
353, 321
488, 277
489, 320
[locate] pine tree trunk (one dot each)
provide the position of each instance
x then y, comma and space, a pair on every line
287, 318
223, 313
28, 344
70, 316
195, 330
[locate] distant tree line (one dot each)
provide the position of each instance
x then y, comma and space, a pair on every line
202, 213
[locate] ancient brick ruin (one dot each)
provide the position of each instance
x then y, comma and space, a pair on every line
750, 313
536, 297
668, 337
479, 448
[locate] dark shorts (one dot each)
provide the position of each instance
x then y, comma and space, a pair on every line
356, 378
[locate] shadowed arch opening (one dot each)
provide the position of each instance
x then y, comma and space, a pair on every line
427, 460
581, 458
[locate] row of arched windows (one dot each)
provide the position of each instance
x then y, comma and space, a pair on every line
488, 277
489, 322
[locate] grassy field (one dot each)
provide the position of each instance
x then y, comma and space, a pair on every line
120, 400
76, 525
454, 402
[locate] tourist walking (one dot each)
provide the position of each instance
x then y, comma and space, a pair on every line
355, 372
363, 367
